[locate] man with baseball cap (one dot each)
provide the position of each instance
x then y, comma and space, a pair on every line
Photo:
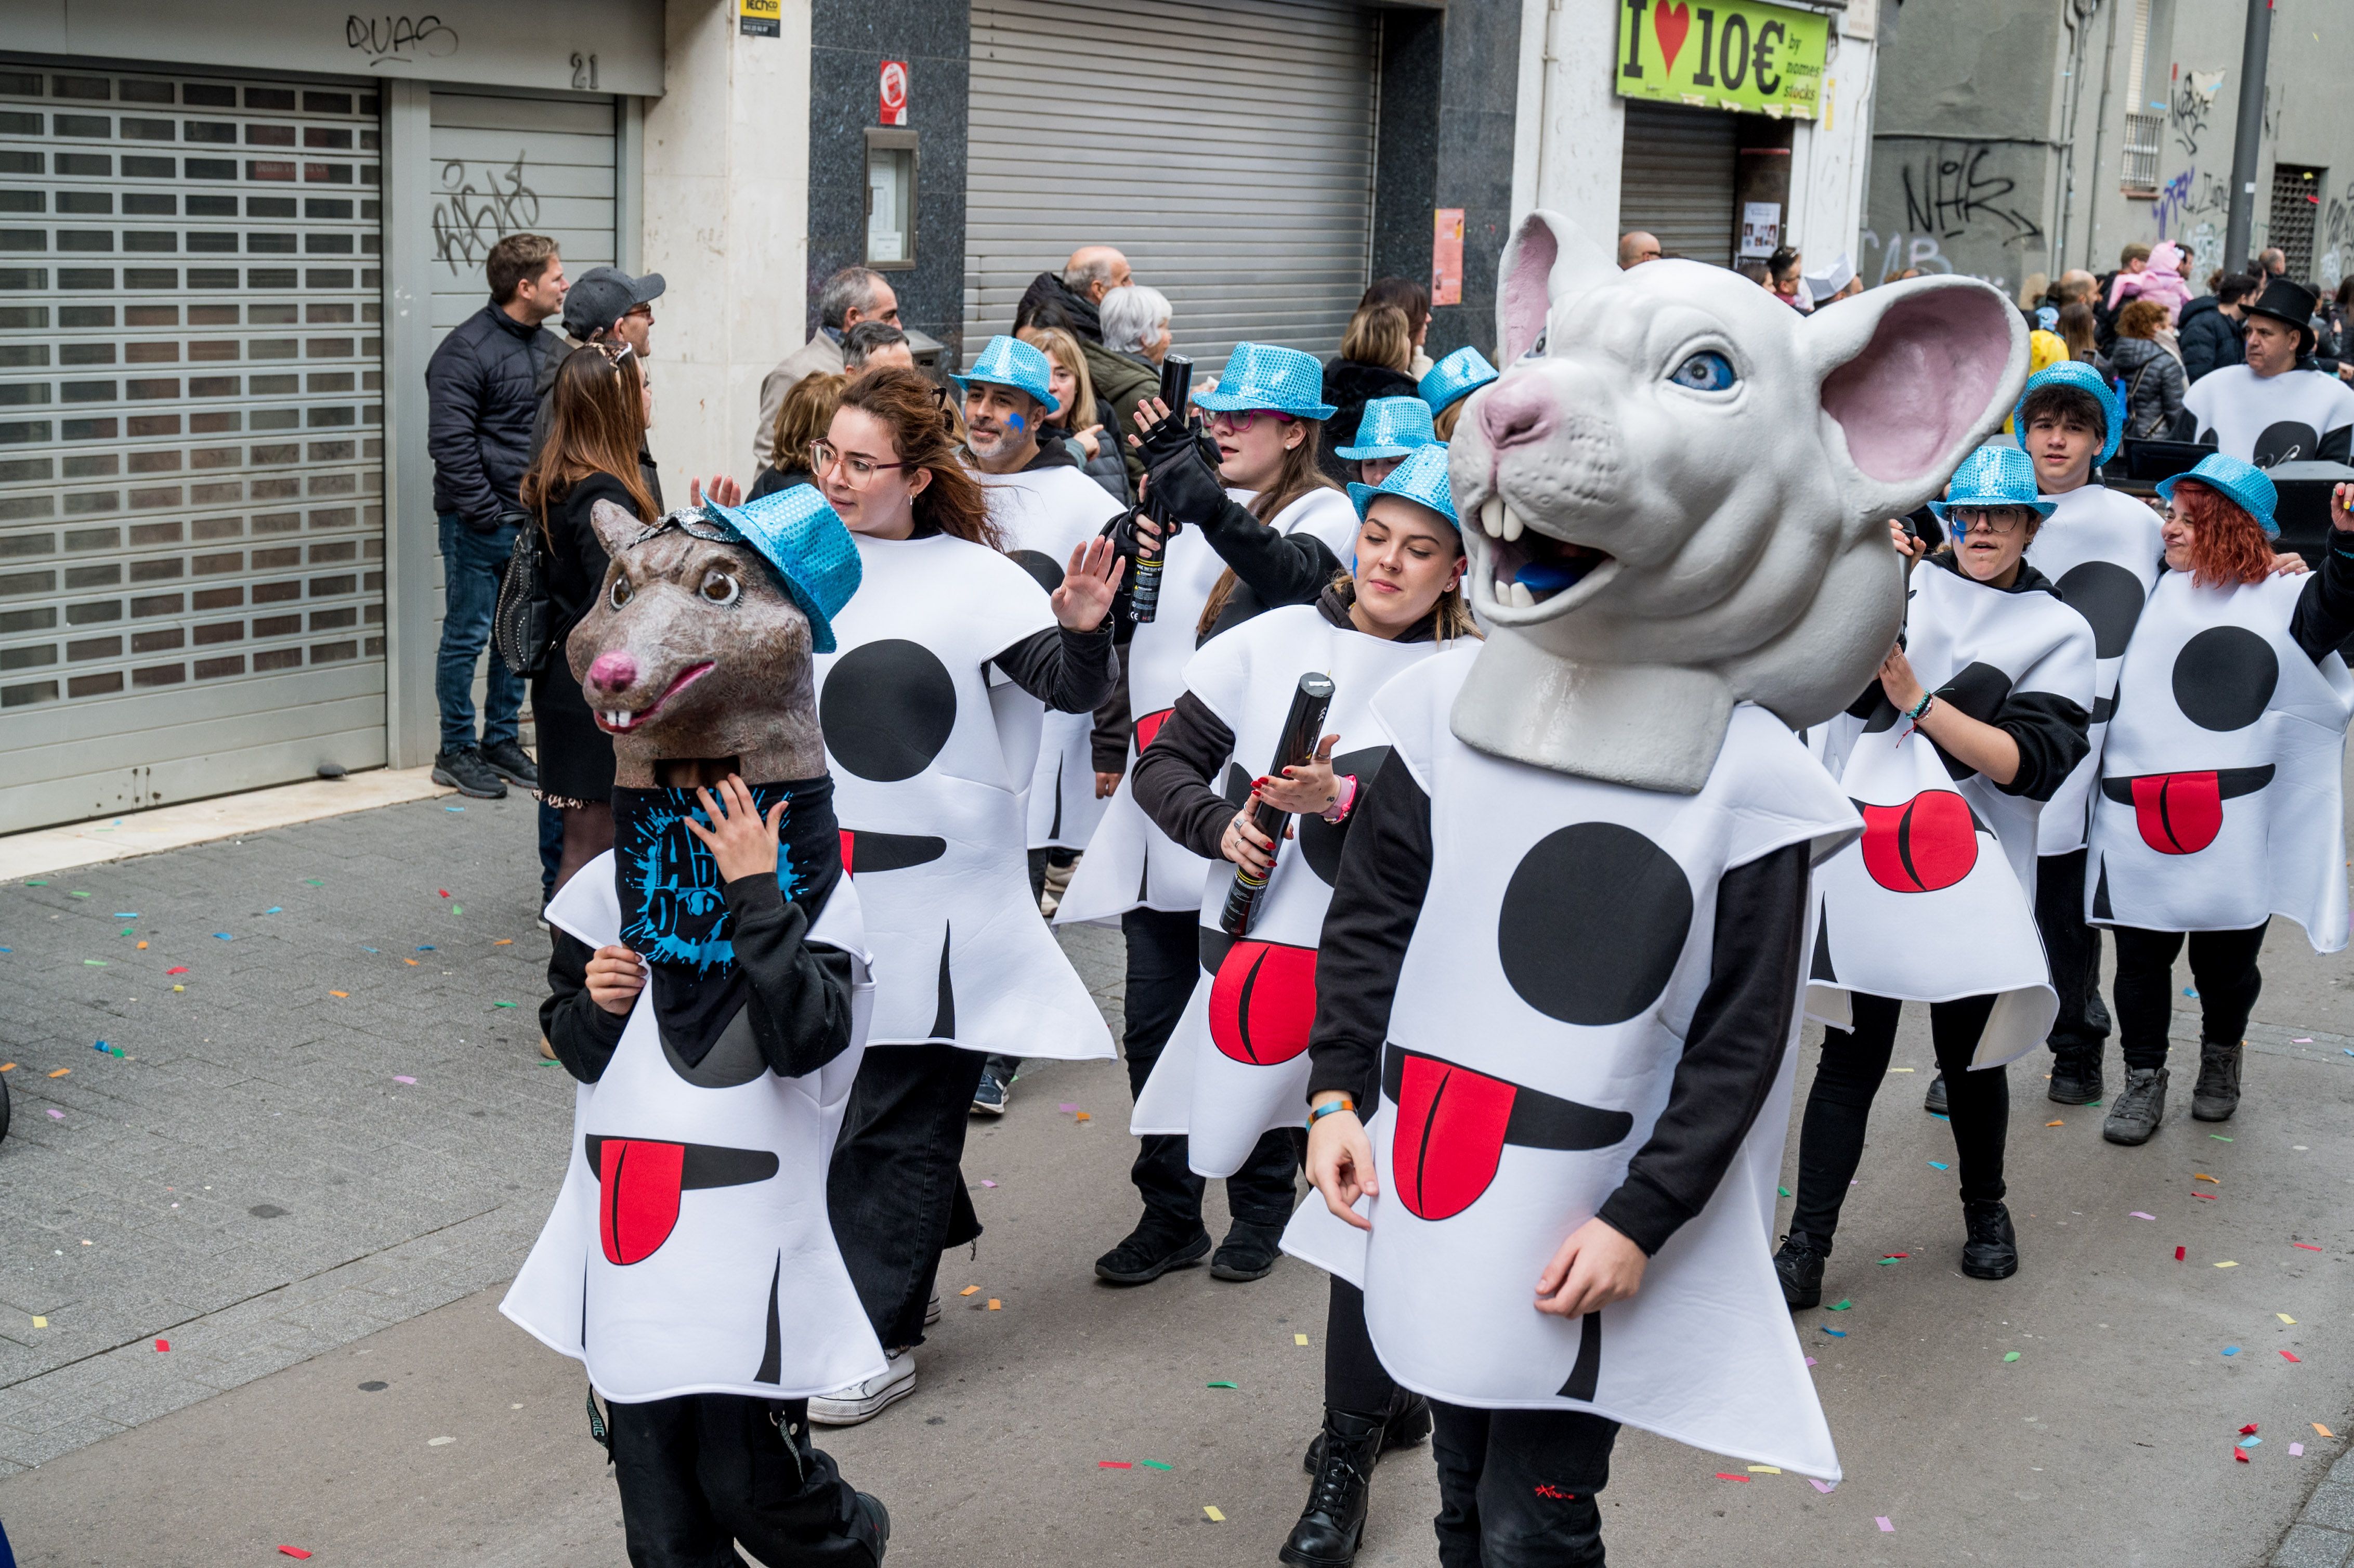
604, 304
2268, 411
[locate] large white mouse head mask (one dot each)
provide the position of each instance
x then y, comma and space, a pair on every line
1681, 489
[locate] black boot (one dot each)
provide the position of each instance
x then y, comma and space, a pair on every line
2075, 1077
1150, 1251
1335, 1519
1406, 1423
872, 1527
1992, 1251
1248, 1251
2216, 1094
1799, 1264
1934, 1102
2140, 1109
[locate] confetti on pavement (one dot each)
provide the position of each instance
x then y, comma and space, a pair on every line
1215, 1517
1823, 1487
2137, 1215
1885, 1527
2010, 1355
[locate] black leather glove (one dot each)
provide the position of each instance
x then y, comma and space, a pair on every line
1181, 468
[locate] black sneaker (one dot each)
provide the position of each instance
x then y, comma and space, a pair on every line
2077, 1078
2140, 1107
1992, 1251
1934, 1102
511, 762
1799, 1266
1333, 1523
1248, 1253
872, 1527
2216, 1094
1408, 1424
989, 1095
467, 773
1147, 1253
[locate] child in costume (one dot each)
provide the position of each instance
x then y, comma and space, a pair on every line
710, 992
1971, 725
1391, 430
1446, 384
1561, 965
2221, 797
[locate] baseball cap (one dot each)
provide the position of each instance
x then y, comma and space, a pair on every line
602, 295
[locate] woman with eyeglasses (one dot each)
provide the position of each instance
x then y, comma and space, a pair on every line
1978, 716
931, 706
2221, 795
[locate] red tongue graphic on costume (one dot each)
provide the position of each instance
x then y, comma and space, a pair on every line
2179, 813
1150, 725
637, 1189
1262, 1002
1451, 1124
1926, 844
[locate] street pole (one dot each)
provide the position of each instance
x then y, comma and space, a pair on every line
2253, 51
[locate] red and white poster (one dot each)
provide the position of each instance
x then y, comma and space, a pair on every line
895, 92
1446, 257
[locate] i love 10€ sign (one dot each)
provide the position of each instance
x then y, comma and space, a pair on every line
1724, 54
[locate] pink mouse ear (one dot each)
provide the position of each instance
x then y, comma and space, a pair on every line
1548, 259
1914, 374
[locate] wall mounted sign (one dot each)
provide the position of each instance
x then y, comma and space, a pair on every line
1728, 54
1761, 229
761, 19
895, 92
1446, 257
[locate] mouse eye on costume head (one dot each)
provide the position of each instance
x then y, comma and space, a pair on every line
1707, 371
720, 588
619, 594
1537, 349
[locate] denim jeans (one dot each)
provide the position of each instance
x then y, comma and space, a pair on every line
473, 564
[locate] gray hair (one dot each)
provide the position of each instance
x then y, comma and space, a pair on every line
1133, 316
851, 289
1095, 270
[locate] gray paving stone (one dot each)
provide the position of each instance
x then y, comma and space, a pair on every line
2309, 1546
2330, 1507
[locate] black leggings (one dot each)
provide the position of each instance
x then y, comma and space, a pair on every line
2223, 962
1831, 1141
1354, 1379
702, 1471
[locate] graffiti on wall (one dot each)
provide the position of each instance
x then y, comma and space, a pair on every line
2190, 104
1885, 258
2184, 198
477, 204
1961, 189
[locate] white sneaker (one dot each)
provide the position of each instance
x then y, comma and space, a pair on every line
862, 1400
932, 1310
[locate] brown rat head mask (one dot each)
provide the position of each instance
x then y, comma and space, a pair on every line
1675, 497
695, 648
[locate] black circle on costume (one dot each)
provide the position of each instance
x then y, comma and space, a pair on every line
888, 709
2287, 441
2224, 678
1041, 565
2108, 596
1978, 690
1591, 924
1883, 716
1319, 841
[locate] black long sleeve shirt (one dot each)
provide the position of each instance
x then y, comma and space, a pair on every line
1070, 672
798, 995
1732, 1052
2324, 610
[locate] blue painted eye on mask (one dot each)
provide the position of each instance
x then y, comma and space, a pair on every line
1707, 371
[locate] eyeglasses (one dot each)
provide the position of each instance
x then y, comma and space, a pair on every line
1239, 420
2002, 522
860, 472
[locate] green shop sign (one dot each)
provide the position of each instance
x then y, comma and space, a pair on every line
1729, 54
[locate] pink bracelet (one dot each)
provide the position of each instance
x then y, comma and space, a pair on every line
1338, 810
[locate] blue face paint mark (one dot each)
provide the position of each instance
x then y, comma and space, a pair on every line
1017, 421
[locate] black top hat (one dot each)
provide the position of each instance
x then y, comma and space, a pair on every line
2286, 301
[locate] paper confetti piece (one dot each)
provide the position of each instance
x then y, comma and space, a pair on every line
179, 988
1215, 1517
2178, 1254
293, 1552
40, 1322
2325, 1431
61, 1072
1155, 1464
411, 962
179, 970
1900, 1069
2218, 1137
43, 883
56, 1115
2306, 1246
444, 891
457, 909
224, 936
1839, 1306
969, 1290
2188, 991
1765, 1469
1938, 1165
1824, 1487
402, 1079
2202, 1176
1067, 1109
453, 808
1784, 1191
426, 949
1220, 1383
163, 1345
100, 1047
143, 947
2290, 1356
2230, 1350
313, 882
2284, 1317
2297, 1450
2055, 1124
988, 1183
1810, 1361
345, 994
365, 948
2240, 1454
7, 1066
1836, 1333
2137, 1215
2227, 1265
275, 909
77, 895
1298, 1338
1114, 1464
95, 963
2206, 1197
995, 1304
1727, 1476
1080, 1115
503, 942
502, 1004
2302, 1039
1885, 1527
2010, 1355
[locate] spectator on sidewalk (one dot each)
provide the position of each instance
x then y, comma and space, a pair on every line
852, 295
1374, 353
1784, 281
2210, 326
1126, 364
1074, 298
1084, 425
1413, 299
2079, 330
2153, 376
605, 305
876, 345
478, 388
1636, 246
807, 413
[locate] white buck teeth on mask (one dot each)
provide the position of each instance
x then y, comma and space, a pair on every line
1491, 515
1522, 598
1513, 526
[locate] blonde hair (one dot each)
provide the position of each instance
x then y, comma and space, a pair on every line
1064, 349
1443, 426
1450, 616
1379, 334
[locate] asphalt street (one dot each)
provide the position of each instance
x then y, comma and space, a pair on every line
338, 1379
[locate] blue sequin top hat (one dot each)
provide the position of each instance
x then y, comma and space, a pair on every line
1261, 375
1994, 476
1392, 427
805, 542
2249, 487
1010, 362
1422, 478
2076, 373
1458, 375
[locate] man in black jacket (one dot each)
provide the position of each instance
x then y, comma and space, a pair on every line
2210, 327
478, 386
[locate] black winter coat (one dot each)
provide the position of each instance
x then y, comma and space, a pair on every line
2154, 385
1349, 386
478, 386
2210, 340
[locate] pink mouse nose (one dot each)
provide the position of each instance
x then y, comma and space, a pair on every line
1517, 412
614, 670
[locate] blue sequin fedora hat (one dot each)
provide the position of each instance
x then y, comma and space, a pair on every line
2076, 373
1261, 375
1421, 478
2248, 486
1010, 362
1994, 476
1458, 376
806, 543
1392, 427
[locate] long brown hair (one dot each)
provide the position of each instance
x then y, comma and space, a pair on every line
915, 409
1297, 476
596, 424
1379, 334
2228, 546
802, 419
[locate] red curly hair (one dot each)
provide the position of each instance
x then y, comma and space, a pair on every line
2228, 546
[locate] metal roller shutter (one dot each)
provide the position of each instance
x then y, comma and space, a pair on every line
506, 163
1676, 179
191, 437
1226, 148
